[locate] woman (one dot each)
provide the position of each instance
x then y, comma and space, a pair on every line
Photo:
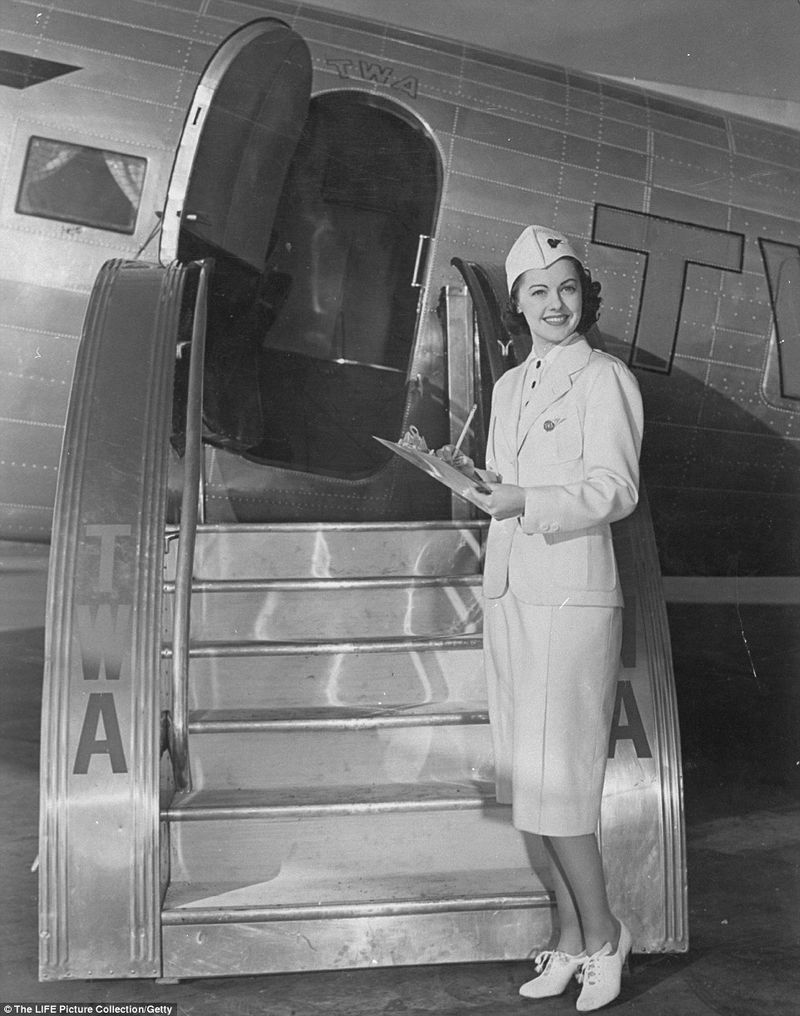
564, 441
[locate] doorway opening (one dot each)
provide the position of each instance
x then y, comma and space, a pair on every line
308, 356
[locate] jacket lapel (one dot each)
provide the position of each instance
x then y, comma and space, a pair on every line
506, 422
557, 380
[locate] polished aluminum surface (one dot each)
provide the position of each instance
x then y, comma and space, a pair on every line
321, 747
320, 756
408, 589
412, 643
416, 677
190, 139
326, 614
338, 551
212, 950
218, 722
456, 308
329, 799
642, 828
99, 822
328, 585
452, 903
280, 858
182, 590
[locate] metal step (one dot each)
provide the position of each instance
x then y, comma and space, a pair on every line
260, 750
335, 550
249, 848
355, 922
387, 677
312, 896
283, 610
330, 718
343, 811
326, 647
303, 802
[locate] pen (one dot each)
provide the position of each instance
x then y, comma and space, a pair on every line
479, 486
465, 428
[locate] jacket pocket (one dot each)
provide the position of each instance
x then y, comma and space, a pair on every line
601, 563
558, 438
569, 559
584, 560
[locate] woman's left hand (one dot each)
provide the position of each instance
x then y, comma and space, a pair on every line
506, 501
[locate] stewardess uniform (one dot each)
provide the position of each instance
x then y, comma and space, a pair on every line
552, 629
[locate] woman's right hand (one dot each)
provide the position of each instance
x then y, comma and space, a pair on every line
504, 501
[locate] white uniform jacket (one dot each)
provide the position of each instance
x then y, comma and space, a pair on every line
575, 451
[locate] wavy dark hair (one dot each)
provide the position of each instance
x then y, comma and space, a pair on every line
590, 305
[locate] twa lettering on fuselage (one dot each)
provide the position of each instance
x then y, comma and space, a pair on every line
670, 247
368, 70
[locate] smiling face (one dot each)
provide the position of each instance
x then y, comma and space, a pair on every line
550, 300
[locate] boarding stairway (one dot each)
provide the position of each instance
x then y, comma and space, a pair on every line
265, 747
341, 811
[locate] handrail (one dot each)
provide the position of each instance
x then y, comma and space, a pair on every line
184, 568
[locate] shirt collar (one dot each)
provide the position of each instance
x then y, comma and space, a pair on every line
551, 353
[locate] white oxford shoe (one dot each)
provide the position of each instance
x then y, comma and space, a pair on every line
601, 973
555, 969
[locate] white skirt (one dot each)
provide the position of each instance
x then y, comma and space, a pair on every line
551, 676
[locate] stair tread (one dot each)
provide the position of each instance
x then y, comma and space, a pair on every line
336, 552
391, 796
330, 715
316, 583
310, 647
297, 886
404, 526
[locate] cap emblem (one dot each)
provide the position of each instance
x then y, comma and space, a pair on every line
553, 242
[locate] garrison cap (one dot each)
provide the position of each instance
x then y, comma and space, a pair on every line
537, 247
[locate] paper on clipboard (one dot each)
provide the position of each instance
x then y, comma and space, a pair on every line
438, 469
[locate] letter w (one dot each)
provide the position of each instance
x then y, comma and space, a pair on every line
103, 639
374, 72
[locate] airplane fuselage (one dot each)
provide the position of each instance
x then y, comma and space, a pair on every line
689, 219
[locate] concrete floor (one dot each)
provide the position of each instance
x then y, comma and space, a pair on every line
744, 889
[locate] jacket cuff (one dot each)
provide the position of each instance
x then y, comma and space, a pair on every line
534, 520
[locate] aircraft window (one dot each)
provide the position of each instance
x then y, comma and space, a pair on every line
88, 186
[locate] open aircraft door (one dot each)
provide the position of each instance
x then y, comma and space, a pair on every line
104, 770
641, 832
239, 137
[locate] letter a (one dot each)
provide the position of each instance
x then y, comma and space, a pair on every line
100, 704
634, 729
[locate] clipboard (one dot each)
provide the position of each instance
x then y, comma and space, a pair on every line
438, 469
